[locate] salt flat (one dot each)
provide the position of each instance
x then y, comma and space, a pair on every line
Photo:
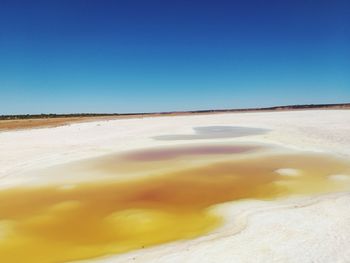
295, 229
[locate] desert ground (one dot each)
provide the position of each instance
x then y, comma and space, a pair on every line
304, 226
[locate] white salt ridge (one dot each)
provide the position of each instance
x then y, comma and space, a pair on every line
67, 187
339, 177
288, 172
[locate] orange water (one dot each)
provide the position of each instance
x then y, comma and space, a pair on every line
55, 224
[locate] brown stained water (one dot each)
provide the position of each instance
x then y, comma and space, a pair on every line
57, 224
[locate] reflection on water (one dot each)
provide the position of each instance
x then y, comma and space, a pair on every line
213, 132
57, 223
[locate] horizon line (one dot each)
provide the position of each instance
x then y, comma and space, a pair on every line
91, 114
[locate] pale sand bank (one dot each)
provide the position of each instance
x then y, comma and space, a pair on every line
293, 230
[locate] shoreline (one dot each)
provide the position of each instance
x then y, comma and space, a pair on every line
251, 225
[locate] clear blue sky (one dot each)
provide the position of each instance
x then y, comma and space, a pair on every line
69, 56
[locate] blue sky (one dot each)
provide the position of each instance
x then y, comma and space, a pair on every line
142, 56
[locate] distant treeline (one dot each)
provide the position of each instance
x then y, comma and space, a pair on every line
52, 115
83, 115
285, 107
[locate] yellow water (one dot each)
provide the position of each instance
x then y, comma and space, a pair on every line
57, 224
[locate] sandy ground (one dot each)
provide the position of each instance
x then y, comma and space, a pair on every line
312, 229
21, 124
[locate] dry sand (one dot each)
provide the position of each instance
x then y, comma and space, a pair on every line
297, 229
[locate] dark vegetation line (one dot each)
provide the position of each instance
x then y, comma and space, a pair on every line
287, 107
